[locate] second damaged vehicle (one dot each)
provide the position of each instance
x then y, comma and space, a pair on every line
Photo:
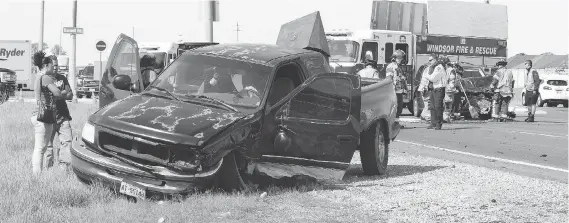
221, 113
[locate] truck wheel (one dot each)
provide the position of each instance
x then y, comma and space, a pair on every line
79, 96
411, 107
417, 111
565, 104
229, 177
399, 105
374, 151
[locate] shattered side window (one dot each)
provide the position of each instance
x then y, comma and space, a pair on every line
323, 99
315, 64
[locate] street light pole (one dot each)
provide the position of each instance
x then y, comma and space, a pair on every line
40, 44
72, 64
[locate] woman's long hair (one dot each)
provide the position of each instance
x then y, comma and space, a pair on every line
40, 60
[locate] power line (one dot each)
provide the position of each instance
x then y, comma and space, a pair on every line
237, 31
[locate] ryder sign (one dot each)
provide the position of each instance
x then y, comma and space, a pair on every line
450, 45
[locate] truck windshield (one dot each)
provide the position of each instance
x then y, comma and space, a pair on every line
343, 50
207, 78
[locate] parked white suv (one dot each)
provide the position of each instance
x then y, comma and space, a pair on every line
553, 91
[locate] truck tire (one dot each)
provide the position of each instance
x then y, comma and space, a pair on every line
229, 177
417, 111
565, 104
374, 151
411, 107
399, 105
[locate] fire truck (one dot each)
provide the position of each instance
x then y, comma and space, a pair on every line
348, 51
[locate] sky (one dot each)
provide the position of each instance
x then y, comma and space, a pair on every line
535, 26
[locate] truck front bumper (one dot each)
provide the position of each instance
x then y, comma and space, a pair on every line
111, 172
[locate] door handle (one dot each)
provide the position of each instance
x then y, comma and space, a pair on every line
345, 138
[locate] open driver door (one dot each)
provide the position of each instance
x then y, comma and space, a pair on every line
123, 60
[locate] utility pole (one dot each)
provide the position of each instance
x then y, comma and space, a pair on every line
60, 32
237, 31
133, 32
40, 44
211, 14
72, 64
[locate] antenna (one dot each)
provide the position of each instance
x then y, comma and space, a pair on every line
237, 31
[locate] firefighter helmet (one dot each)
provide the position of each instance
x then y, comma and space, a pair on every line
398, 54
502, 63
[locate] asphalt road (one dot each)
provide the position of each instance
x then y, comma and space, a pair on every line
538, 149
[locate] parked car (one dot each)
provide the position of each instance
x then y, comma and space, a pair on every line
553, 91
219, 114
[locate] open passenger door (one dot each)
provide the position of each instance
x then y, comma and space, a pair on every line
318, 128
123, 60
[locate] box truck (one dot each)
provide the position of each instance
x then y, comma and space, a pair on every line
17, 56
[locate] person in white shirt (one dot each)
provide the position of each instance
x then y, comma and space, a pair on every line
369, 71
437, 76
424, 93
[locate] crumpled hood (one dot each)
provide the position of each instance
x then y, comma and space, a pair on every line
168, 115
478, 84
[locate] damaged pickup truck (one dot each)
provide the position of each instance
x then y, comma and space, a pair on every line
221, 113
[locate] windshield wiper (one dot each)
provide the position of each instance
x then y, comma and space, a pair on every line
164, 90
218, 101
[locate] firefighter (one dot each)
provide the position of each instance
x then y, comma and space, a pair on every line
450, 90
394, 72
503, 85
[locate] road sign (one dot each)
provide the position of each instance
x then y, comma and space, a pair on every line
73, 30
101, 45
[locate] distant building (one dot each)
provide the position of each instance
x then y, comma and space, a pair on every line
545, 64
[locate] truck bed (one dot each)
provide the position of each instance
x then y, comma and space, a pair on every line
378, 101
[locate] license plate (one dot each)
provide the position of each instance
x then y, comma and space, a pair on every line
92, 90
132, 190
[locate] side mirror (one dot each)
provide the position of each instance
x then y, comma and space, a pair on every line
122, 82
282, 141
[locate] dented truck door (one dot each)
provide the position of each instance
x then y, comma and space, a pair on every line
318, 127
124, 59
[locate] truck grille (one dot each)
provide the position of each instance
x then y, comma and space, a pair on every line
142, 150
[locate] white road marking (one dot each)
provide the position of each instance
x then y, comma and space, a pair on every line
486, 157
529, 133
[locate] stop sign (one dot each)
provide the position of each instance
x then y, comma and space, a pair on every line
101, 45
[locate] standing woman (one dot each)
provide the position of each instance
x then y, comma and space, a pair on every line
43, 117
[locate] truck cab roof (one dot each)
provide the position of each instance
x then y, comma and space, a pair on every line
266, 54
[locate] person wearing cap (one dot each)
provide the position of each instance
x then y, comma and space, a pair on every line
531, 90
437, 76
369, 71
394, 72
450, 90
503, 85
